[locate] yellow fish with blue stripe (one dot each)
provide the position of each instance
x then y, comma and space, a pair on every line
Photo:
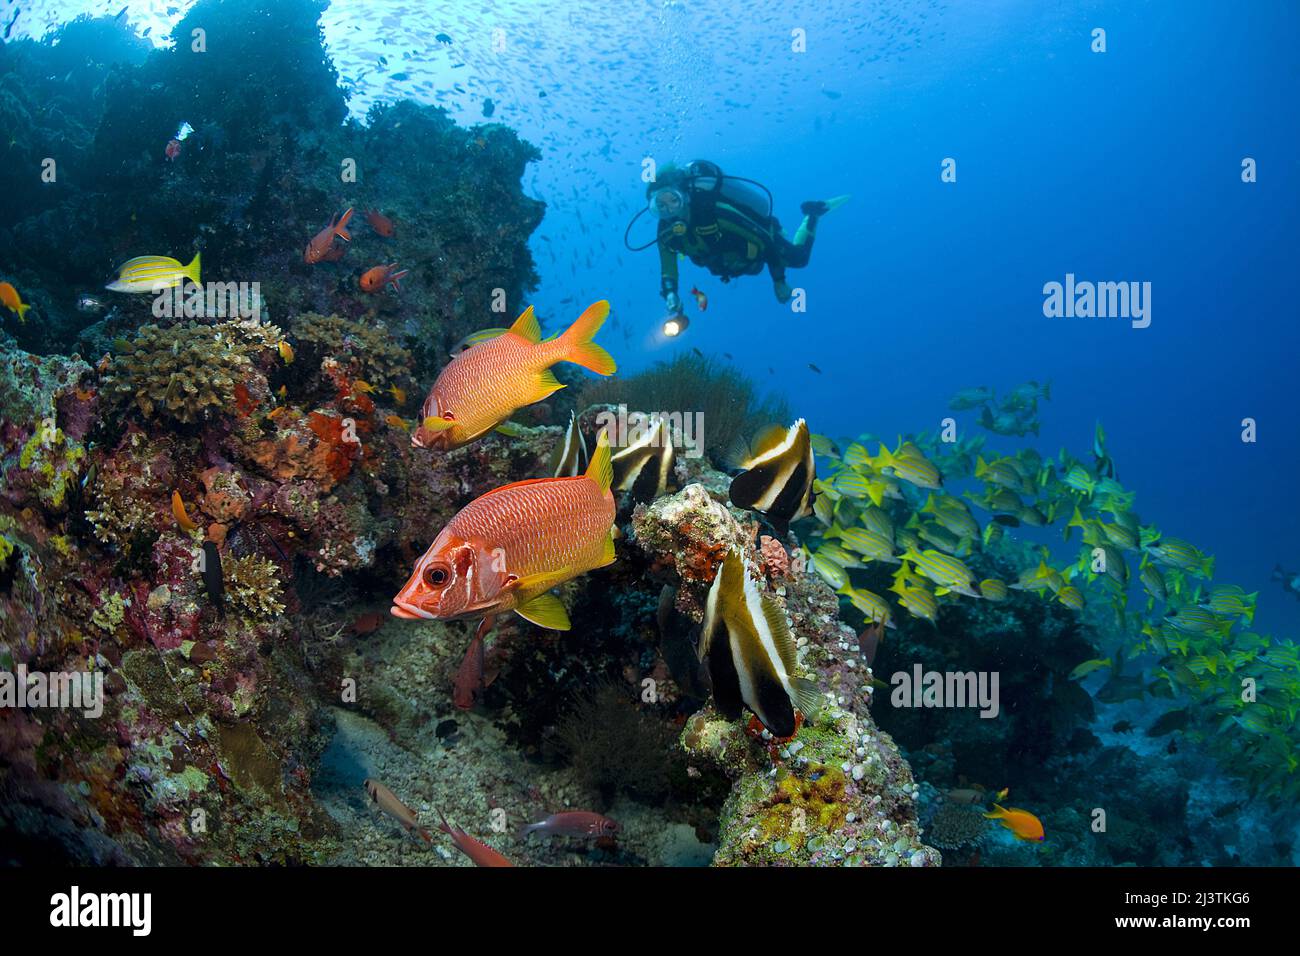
919, 602
153, 273
908, 463
870, 544
1181, 554
872, 605
953, 515
949, 573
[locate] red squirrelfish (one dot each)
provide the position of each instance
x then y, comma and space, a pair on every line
480, 853
321, 248
701, 300
488, 382
372, 280
575, 823
505, 550
387, 801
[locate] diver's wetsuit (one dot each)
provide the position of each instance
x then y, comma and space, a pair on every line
730, 240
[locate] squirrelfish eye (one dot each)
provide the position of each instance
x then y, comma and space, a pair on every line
436, 575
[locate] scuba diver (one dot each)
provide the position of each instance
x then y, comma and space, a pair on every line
725, 224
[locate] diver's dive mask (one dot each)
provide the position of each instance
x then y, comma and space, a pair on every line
670, 202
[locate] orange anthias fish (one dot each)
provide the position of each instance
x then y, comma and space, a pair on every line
12, 301
1022, 823
480, 853
505, 550
488, 382
379, 222
322, 247
374, 280
178, 511
701, 300
469, 676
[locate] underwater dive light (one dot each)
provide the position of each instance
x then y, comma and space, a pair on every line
675, 325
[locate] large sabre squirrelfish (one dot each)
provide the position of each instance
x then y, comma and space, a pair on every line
487, 383
505, 550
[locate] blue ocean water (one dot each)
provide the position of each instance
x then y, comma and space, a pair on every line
1122, 165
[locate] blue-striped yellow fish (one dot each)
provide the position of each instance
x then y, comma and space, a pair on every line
950, 573
909, 464
153, 273
870, 544
870, 604
994, 590
1181, 554
918, 602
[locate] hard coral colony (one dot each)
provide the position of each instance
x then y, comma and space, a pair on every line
216, 510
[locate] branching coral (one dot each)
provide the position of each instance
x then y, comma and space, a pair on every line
188, 372
368, 352
253, 583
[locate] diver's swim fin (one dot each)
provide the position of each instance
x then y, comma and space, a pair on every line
820, 207
813, 210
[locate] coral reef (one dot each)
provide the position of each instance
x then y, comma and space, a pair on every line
839, 793
198, 436
192, 371
956, 827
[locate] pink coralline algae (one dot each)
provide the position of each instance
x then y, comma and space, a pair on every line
776, 562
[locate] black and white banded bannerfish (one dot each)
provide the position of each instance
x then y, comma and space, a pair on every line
570, 456
750, 652
645, 467
777, 474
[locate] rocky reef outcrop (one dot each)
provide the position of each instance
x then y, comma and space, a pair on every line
839, 792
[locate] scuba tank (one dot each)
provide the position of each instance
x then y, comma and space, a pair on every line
705, 179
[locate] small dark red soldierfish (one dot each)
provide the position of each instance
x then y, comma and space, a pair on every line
869, 641
469, 676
